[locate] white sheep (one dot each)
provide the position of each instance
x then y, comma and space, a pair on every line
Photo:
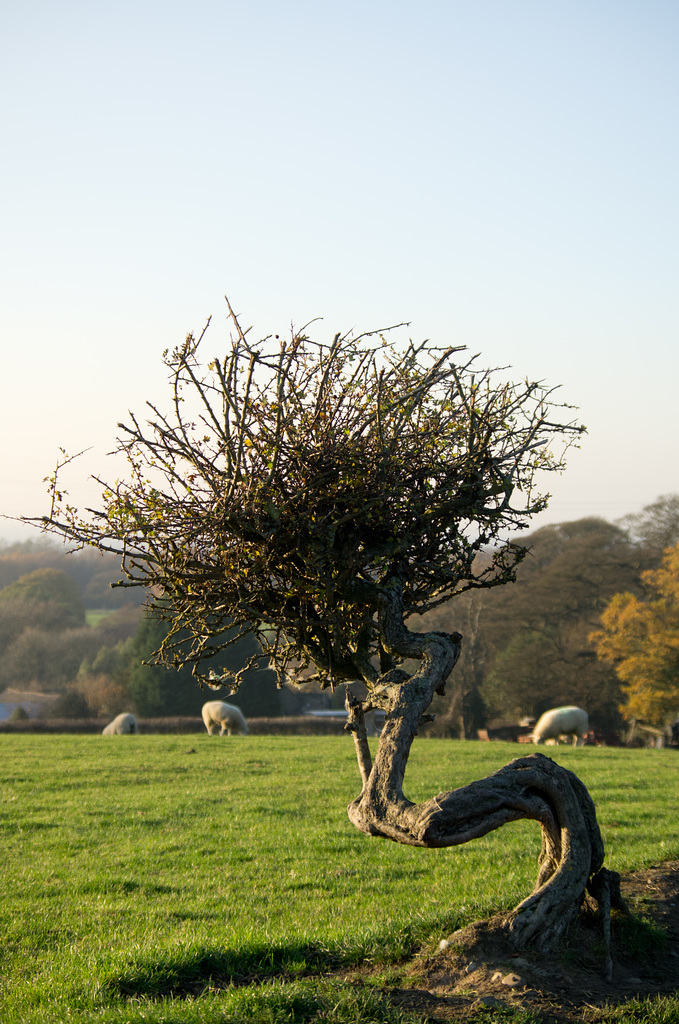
122, 725
228, 716
568, 721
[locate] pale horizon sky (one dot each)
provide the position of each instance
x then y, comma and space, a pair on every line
499, 175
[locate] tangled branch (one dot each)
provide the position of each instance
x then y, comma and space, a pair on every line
294, 479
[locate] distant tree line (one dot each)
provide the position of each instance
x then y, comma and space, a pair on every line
98, 669
91, 571
120, 677
534, 644
593, 619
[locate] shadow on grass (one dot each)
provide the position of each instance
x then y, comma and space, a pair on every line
286, 999
190, 973
636, 937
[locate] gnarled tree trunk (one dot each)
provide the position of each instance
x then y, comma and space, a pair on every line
571, 859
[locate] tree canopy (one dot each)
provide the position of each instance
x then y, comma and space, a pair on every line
656, 526
541, 657
47, 587
91, 571
296, 483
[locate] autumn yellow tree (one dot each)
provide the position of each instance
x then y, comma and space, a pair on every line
641, 638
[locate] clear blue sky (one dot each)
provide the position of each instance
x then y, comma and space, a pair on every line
500, 174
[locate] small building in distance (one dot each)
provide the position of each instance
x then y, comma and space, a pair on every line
33, 703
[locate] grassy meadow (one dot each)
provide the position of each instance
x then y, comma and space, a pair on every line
178, 879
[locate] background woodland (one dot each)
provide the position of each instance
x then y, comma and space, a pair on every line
527, 647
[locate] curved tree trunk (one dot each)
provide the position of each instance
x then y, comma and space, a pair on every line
534, 787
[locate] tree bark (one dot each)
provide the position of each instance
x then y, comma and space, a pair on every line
533, 787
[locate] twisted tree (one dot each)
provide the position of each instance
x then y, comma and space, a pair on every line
316, 495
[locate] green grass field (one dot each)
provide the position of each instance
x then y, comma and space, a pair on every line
179, 879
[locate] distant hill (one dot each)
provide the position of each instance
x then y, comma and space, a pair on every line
92, 572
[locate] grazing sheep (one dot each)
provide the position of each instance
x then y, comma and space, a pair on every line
228, 716
122, 725
568, 721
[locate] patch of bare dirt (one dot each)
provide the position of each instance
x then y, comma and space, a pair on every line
478, 969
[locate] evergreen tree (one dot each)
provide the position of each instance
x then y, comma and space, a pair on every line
160, 691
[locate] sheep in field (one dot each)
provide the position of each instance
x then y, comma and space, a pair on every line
568, 721
228, 716
122, 725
